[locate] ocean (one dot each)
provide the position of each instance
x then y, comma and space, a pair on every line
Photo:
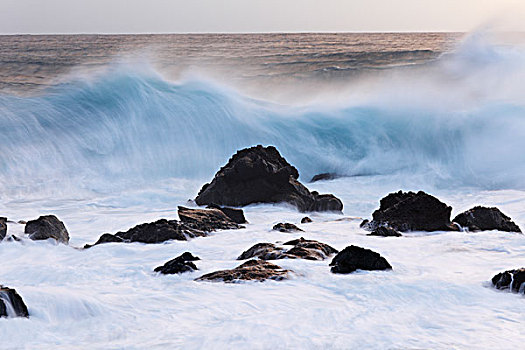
109, 131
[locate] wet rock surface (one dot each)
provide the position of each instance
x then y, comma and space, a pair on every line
306, 220
261, 175
410, 211
354, 258
302, 249
513, 280
194, 223
384, 231
45, 227
11, 303
252, 270
484, 219
3, 228
181, 264
286, 227
234, 214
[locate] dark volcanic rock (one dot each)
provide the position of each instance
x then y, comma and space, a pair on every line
180, 264
258, 270
47, 227
512, 279
409, 211
207, 220
324, 177
234, 214
484, 219
260, 175
194, 223
354, 258
306, 220
384, 231
11, 303
302, 249
286, 227
3, 228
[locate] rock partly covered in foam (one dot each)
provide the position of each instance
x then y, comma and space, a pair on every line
46, 227
306, 220
409, 211
3, 228
484, 219
513, 280
194, 223
261, 175
11, 303
258, 270
286, 227
354, 258
384, 231
324, 177
302, 249
182, 263
235, 215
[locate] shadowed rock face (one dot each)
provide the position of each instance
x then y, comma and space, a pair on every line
11, 303
409, 211
235, 215
484, 219
302, 249
3, 228
260, 175
511, 279
180, 264
385, 232
257, 270
46, 227
354, 258
324, 177
286, 227
194, 223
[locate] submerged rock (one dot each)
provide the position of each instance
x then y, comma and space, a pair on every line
261, 175
3, 228
354, 258
302, 249
286, 227
511, 279
384, 231
409, 211
324, 177
180, 264
484, 219
194, 223
11, 303
306, 220
234, 214
46, 227
258, 270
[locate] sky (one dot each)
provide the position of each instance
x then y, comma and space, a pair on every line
174, 16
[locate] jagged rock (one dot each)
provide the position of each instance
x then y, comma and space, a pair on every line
306, 220
180, 264
302, 249
409, 211
324, 177
286, 227
384, 231
3, 228
11, 303
484, 219
511, 279
207, 220
258, 270
234, 214
354, 258
260, 175
46, 227
194, 223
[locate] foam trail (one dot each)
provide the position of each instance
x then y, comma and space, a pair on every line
459, 121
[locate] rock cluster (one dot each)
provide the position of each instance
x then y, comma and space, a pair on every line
302, 249
261, 175
182, 263
354, 258
11, 303
258, 270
